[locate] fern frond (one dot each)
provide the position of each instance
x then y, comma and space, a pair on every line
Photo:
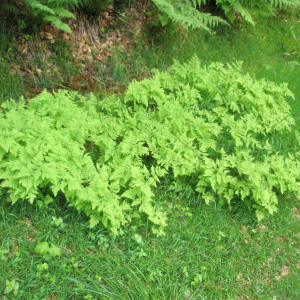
187, 16
247, 7
38, 8
63, 13
8, 8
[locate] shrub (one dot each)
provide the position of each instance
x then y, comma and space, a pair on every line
212, 124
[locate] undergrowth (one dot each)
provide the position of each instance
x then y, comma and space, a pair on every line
212, 124
208, 252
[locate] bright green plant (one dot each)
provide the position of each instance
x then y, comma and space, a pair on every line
11, 286
211, 124
43, 248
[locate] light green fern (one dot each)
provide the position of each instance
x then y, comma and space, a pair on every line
211, 124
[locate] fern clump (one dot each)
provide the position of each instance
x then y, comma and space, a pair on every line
41, 12
209, 123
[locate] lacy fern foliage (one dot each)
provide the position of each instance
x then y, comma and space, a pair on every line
52, 11
212, 124
188, 13
247, 7
184, 12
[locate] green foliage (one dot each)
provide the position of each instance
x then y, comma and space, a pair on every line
8, 7
11, 286
210, 124
186, 13
41, 11
43, 248
94, 7
248, 7
52, 11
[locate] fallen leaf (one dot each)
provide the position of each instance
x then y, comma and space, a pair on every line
27, 222
48, 35
39, 71
262, 228
239, 277
285, 271
244, 229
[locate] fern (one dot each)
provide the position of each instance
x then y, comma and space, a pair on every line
185, 14
52, 11
8, 9
41, 10
211, 124
247, 7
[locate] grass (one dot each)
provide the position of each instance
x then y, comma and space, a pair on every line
208, 252
213, 254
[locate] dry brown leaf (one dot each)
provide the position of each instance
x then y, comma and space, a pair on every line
262, 228
244, 228
48, 35
27, 222
39, 71
239, 277
285, 271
